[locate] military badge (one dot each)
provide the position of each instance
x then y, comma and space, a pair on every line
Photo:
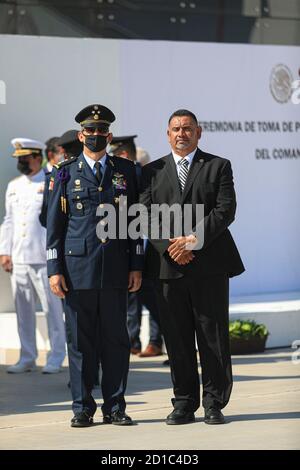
118, 181
63, 175
77, 186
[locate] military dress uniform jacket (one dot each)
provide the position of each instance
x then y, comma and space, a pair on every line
73, 247
22, 236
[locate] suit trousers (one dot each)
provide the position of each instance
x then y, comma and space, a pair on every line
96, 329
198, 307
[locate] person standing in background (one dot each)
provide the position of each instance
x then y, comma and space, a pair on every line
124, 147
70, 144
53, 153
57, 150
23, 255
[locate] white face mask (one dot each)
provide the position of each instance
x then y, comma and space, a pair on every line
59, 157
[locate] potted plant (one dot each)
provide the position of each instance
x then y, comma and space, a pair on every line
246, 336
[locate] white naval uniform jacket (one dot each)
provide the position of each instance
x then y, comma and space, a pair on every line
21, 236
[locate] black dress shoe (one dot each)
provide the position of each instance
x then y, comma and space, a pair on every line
214, 416
82, 420
180, 417
120, 418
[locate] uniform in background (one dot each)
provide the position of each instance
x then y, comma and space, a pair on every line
124, 147
24, 240
66, 146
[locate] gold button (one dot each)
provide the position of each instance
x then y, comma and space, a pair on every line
79, 205
77, 197
103, 240
100, 188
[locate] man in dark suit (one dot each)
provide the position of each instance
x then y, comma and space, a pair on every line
91, 271
193, 283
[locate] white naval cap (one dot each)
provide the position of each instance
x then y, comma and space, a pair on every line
24, 147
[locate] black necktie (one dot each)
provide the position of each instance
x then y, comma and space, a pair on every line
98, 173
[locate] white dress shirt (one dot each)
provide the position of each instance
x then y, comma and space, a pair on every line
178, 159
49, 167
92, 162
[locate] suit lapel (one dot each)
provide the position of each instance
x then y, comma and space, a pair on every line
197, 163
172, 175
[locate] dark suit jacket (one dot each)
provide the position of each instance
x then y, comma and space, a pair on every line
209, 182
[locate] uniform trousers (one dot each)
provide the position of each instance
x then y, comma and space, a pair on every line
191, 307
97, 330
29, 283
146, 296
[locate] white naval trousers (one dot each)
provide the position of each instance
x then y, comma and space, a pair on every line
29, 282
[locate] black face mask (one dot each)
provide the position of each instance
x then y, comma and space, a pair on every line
95, 143
23, 167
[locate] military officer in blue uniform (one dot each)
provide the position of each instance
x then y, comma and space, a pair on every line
93, 275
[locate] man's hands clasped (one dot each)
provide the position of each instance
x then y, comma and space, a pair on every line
181, 248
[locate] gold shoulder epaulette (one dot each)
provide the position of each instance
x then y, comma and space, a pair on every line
66, 162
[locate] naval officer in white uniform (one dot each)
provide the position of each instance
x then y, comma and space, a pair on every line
23, 255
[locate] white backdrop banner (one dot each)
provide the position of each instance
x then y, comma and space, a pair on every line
244, 95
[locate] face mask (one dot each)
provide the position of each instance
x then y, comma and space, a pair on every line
60, 158
95, 143
23, 167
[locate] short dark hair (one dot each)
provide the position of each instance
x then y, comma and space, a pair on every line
183, 112
51, 146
